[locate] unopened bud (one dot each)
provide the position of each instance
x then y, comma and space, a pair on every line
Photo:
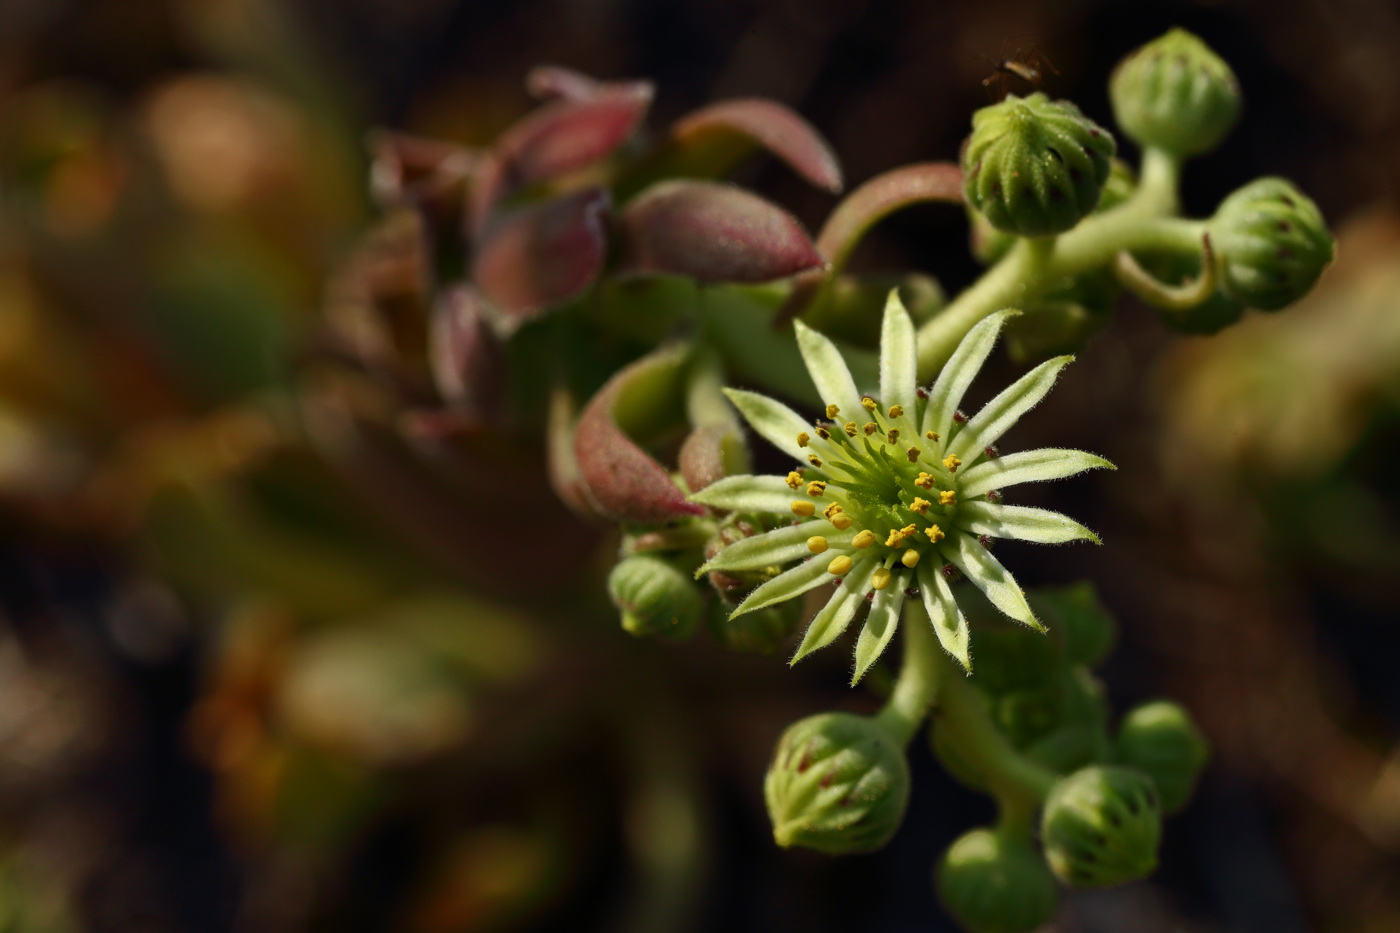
654, 597
1175, 94
1101, 827
1270, 243
1160, 740
996, 884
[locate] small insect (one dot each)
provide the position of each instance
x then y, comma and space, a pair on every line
1028, 67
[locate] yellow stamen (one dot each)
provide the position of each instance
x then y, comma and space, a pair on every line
880, 579
814, 460
803, 438
863, 539
896, 411
908, 530
895, 539
935, 534
932, 435
851, 428
816, 544
910, 558
823, 433
947, 497
833, 410
870, 428
914, 454
839, 564
803, 509
951, 463
919, 505
794, 479
832, 509
841, 520
870, 404
892, 436
816, 488
924, 481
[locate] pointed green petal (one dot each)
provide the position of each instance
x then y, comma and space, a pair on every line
828, 624
880, 626
953, 380
1025, 524
805, 576
774, 421
1027, 466
828, 370
949, 624
898, 361
989, 576
747, 494
771, 548
997, 416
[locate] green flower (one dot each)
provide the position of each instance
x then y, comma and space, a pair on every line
895, 496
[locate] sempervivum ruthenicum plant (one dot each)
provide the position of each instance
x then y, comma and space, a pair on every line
895, 495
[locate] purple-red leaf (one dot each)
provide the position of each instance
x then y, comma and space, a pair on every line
709, 453
541, 256
564, 474
466, 356
713, 233
731, 129
622, 480
546, 82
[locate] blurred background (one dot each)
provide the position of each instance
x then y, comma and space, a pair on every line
276, 657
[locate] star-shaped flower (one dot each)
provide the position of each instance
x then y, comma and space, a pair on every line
897, 495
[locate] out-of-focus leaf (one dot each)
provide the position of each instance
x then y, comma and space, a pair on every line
711, 452
377, 305
546, 82
541, 256
713, 233
427, 173
625, 482
564, 473
467, 359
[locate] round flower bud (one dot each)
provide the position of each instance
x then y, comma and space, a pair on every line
1270, 243
1101, 827
1010, 658
654, 597
1034, 167
1160, 740
1080, 736
1176, 95
992, 884
759, 632
1078, 621
838, 784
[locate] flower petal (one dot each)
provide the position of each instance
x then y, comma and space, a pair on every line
747, 494
805, 576
880, 626
947, 618
987, 573
898, 361
1025, 524
774, 421
997, 416
828, 370
833, 618
953, 380
772, 547
1026, 466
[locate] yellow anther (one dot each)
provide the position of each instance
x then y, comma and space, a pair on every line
816, 488
919, 505
896, 411
794, 479
924, 481
863, 539
870, 404
832, 509
895, 539
841, 520
833, 410
914, 454
892, 436
908, 530
814, 460
910, 558
870, 428
816, 544
947, 497
932, 435
851, 428
803, 509
951, 463
839, 564
823, 433
880, 578
935, 534
803, 438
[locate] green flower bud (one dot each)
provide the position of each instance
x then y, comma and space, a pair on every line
993, 884
759, 632
654, 597
990, 244
1035, 167
1176, 95
1271, 244
1101, 827
1160, 740
1010, 658
1080, 734
1077, 620
1064, 320
838, 784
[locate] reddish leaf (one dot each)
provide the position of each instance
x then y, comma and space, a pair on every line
736, 127
713, 233
467, 359
621, 479
541, 256
545, 82
708, 453
563, 466
412, 170
862, 209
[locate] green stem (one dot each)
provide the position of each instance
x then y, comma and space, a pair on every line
918, 677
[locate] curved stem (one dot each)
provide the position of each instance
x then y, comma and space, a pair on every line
918, 677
